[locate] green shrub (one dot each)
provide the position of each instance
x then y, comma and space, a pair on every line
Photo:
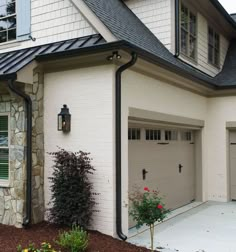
72, 199
76, 239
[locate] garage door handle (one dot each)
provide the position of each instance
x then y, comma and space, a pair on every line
144, 172
180, 168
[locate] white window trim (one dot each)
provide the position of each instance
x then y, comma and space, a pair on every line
6, 182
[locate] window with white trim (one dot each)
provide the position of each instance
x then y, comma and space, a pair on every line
171, 135
188, 32
134, 134
153, 134
213, 47
4, 148
7, 20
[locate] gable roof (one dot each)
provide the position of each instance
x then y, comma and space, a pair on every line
125, 25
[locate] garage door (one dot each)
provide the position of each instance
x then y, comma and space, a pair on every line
232, 148
163, 158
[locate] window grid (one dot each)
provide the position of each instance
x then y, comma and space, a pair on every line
171, 135
4, 147
153, 134
213, 47
186, 136
7, 20
134, 134
188, 32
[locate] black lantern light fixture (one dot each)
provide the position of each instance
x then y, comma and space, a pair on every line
64, 119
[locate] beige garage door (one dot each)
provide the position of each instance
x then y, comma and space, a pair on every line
163, 158
232, 147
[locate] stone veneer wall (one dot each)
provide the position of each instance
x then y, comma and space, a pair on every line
12, 196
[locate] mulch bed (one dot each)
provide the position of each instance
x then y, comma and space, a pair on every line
10, 237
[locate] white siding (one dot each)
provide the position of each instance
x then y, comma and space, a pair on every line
88, 93
156, 15
52, 20
202, 48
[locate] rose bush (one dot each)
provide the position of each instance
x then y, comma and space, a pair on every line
146, 208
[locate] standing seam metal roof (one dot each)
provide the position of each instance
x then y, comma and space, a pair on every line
11, 62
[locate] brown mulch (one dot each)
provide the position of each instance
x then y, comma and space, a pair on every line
10, 237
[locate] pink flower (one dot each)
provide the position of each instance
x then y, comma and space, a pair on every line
159, 206
146, 189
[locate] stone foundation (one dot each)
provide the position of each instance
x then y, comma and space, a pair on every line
13, 194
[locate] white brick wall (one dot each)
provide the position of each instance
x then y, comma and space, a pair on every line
89, 97
156, 15
53, 20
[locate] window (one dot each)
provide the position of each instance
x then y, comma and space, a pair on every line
171, 135
7, 20
153, 134
188, 31
213, 47
4, 148
186, 136
134, 134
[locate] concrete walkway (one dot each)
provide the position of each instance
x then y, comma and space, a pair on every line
209, 227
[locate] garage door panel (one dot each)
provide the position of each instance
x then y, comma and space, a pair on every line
161, 160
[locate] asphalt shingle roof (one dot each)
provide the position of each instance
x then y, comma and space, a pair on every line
125, 25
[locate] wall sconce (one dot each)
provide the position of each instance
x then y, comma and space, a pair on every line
64, 119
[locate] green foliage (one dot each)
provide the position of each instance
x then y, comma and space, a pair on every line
76, 239
147, 207
72, 198
45, 247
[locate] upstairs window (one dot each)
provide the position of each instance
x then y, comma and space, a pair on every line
213, 47
4, 148
188, 32
7, 20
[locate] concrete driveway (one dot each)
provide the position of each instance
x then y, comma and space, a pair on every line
208, 227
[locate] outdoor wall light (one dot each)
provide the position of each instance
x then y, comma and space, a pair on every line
64, 119
115, 55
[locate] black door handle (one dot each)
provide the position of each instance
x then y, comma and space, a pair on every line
144, 172
180, 168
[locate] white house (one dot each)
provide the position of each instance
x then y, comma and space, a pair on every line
151, 89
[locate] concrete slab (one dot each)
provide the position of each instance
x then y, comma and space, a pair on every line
210, 227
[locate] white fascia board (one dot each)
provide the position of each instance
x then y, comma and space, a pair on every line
93, 20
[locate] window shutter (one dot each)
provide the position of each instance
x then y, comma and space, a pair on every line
23, 19
4, 151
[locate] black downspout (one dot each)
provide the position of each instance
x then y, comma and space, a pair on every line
28, 102
176, 28
118, 146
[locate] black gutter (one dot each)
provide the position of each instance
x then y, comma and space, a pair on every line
176, 28
122, 44
119, 72
222, 10
28, 102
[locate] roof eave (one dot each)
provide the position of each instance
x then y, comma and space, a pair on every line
225, 14
124, 45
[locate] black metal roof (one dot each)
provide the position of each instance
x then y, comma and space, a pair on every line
11, 62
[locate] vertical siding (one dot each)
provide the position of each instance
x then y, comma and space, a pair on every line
88, 94
53, 20
156, 15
